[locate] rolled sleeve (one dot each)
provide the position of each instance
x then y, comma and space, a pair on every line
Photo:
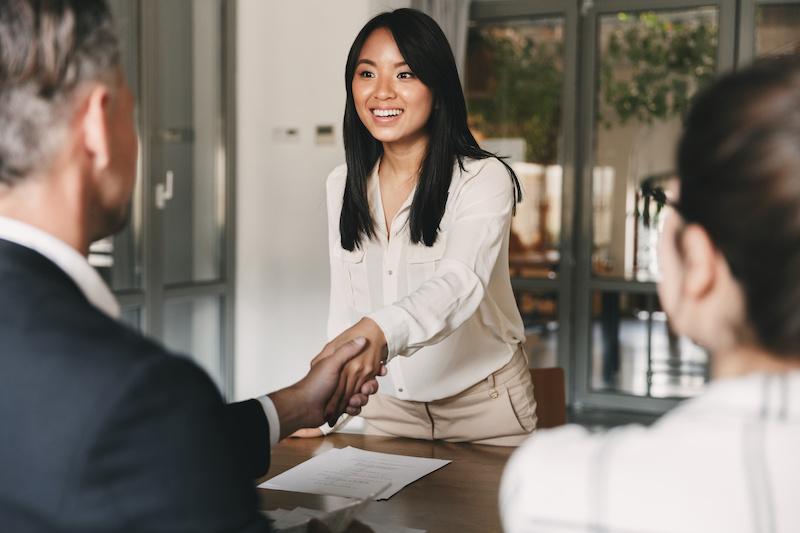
393, 321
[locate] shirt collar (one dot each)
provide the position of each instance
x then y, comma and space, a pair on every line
66, 258
376, 201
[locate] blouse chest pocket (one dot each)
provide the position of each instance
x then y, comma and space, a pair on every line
423, 261
356, 282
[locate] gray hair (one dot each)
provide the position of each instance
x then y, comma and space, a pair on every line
48, 48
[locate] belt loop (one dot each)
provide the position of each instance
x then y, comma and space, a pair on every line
493, 394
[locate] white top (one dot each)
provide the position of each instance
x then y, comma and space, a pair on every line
90, 283
451, 305
728, 461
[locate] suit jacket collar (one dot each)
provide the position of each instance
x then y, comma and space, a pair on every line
67, 259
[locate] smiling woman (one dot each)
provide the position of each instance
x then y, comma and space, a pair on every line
390, 100
419, 222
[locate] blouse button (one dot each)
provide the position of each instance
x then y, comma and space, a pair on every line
389, 272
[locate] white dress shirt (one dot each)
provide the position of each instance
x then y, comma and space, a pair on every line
90, 283
447, 311
727, 461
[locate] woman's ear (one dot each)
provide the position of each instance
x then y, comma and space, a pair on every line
700, 262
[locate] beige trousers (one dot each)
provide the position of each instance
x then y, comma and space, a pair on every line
499, 411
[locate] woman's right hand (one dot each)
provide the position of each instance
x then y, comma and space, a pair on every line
361, 370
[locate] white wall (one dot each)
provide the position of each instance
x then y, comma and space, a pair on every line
291, 58
377, 6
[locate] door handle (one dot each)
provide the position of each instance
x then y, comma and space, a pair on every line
164, 190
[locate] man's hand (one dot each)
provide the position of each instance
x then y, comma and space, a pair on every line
303, 404
353, 408
359, 370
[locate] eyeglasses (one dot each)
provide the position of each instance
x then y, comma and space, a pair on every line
658, 195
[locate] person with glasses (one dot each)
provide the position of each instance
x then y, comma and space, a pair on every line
728, 459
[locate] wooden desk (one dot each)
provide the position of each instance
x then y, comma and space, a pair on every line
462, 496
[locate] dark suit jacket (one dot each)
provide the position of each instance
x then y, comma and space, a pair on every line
103, 430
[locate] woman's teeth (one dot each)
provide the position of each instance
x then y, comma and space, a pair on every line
386, 112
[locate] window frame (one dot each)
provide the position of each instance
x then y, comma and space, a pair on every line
489, 11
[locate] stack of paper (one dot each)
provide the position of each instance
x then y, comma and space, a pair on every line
354, 473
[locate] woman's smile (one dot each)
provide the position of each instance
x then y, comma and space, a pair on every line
386, 116
386, 113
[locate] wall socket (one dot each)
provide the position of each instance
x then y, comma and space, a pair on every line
325, 134
285, 135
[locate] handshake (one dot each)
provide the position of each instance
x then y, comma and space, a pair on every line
341, 380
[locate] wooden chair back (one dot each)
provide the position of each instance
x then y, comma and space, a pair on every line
551, 399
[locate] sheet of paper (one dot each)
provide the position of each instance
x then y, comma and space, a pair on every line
354, 473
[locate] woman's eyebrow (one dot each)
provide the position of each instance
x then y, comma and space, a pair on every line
371, 62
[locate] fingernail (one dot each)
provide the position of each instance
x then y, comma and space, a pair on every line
359, 341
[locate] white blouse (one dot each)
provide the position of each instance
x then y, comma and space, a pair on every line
447, 311
728, 460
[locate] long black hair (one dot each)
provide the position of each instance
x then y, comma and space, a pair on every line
425, 49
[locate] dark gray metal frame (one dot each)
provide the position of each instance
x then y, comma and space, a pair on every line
586, 284
498, 11
575, 283
152, 296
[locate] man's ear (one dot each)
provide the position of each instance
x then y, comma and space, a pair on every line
94, 122
700, 257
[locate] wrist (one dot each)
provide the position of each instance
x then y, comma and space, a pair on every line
293, 410
376, 336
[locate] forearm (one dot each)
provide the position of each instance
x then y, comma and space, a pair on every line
454, 292
432, 312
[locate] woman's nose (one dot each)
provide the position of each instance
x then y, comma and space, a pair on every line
385, 89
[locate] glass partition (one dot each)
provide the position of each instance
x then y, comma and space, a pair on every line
635, 351
193, 327
644, 66
514, 89
188, 146
649, 64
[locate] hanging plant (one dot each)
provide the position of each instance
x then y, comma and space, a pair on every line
652, 65
514, 88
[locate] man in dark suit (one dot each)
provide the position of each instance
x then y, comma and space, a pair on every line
100, 428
